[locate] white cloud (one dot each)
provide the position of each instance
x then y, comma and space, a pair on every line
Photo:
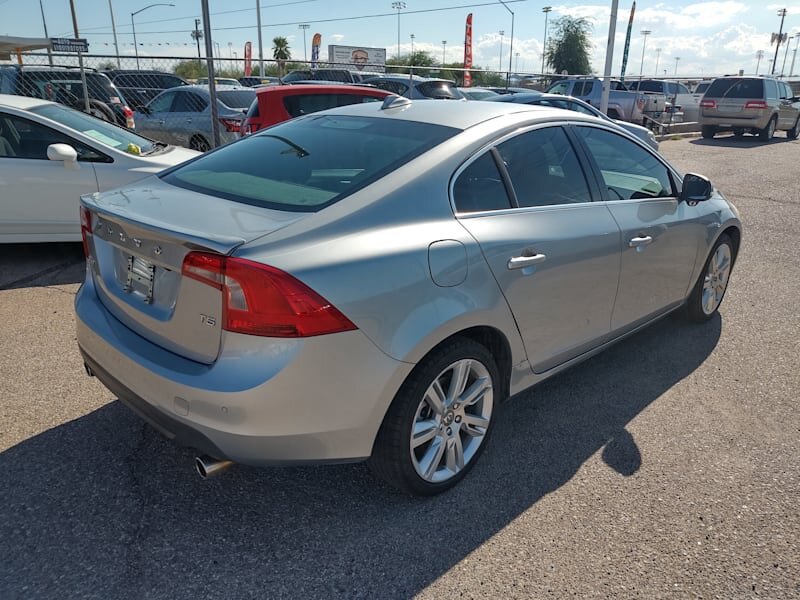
336, 38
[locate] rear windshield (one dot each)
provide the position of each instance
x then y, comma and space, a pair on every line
439, 89
308, 163
701, 88
647, 86
161, 81
305, 104
241, 99
736, 88
53, 85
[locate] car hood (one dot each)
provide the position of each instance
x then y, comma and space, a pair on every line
171, 156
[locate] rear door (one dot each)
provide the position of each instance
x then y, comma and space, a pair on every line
190, 114
554, 252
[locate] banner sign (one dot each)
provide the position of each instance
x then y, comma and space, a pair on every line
69, 45
627, 44
248, 59
468, 52
316, 42
360, 58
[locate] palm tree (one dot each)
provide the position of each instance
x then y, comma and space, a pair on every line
281, 51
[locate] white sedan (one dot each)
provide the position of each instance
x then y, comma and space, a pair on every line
50, 155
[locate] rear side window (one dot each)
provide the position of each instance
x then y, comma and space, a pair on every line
736, 88
441, 90
237, 98
480, 187
772, 89
306, 164
189, 102
305, 104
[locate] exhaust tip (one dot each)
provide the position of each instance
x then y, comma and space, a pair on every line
208, 466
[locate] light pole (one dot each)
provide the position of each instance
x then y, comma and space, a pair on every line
50, 52
516, 62
785, 54
677, 58
230, 54
658, 56
759, 56
782, 15
546, 10
444, 49
398, 6
113, 30
412, 48
794, 54
511, 44
133, 26
304, 27
645, 33
502, 33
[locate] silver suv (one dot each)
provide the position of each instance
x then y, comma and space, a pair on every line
756, 105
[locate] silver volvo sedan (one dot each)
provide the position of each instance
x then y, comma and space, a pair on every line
370, 282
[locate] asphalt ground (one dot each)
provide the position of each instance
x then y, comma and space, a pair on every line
666, 467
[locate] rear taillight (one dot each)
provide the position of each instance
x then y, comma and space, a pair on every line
128, 113
262, 300
755, 104
708, 103
231, 125
86, 229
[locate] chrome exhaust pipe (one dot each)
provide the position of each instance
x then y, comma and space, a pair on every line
208, 466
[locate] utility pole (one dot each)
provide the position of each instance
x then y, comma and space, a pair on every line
197, 35
80, 56
260, 46
113, 30
782, 15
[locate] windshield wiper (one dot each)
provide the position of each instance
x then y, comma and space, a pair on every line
299, 150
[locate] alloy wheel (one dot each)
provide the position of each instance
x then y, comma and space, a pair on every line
716, 279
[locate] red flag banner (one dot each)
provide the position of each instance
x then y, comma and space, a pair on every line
468, 52
248, 59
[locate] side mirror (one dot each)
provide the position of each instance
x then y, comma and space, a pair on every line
696, 188
64, 153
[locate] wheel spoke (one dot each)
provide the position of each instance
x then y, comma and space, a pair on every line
458, 382
435, 397
475, 391
474, 425
433, 457
455, 454
424, 431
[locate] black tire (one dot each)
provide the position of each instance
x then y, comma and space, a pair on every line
101, 110
708, 131
738, 132
697, 310
766, 134
395, 460
794, 131
199, 143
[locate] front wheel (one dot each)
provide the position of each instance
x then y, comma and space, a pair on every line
440, 420
708, 131
710, 288
199, 143
766, 134
794, 131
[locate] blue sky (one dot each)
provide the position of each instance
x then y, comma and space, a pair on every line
709, 37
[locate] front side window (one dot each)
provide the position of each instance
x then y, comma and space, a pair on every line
189, 102
562, 87
480, 187
162, 103
629, 171
544, 169
21, 138
306, 164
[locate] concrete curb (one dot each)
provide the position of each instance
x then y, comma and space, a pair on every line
677, 136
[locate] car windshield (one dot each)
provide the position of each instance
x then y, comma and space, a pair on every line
105, 133
309, 163
238, 99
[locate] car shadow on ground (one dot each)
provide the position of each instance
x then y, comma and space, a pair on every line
29, 265
744, 142
103, 506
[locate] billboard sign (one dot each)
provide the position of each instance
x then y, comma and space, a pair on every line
357, 57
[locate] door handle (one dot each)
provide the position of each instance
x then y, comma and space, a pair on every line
640, 241
188, 120
520, 262
161, 121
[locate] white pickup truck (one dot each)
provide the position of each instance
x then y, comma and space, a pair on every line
677, 93
635, 107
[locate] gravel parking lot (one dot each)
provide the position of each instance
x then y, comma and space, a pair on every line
665, 467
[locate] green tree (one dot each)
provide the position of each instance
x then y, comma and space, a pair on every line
419, 58
108, 65
190, 69
569, 45
281, 52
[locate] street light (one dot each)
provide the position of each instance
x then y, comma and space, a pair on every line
412, 48
230, 54
794, 54
677, 58
658, 56
645, 33
759, 56
782, 15
444, 48
546, 10
785, 54
113, 30
304, 27
133, 26
398, 6
502, 33
511, 44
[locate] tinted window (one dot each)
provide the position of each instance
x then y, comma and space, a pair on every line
701, 88
772, 89
391, 86
189, 102
308, 163
480, 187
682, 89
736, 88
442, 90
237, 98
648, 86
562, 87
162, 103
298, 76
629, 171
306, 104
582, 88
544, 168
26, 139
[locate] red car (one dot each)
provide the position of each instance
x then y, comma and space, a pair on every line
277, 103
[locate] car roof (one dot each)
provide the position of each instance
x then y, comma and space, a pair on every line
319, 88
21, 102
459, 115
221, 87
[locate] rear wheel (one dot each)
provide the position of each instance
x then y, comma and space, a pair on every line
710, 288
101, 110
440, 420
738, 132
766, 134
708, 131
199, 143
794, 131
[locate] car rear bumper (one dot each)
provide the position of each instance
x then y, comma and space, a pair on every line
264, 401
734, 120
